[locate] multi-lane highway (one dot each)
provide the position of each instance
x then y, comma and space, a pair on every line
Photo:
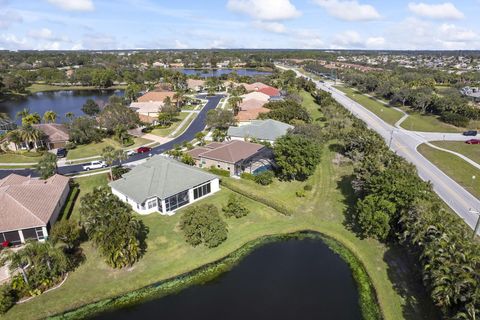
197, 125
405, 143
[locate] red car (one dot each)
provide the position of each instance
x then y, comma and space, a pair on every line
473, 141
144, 149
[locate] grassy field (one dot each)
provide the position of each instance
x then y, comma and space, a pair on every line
453, 166
95, 149
19, 157
427, 123
309, 103
323, 209
37, 87
163, 132
471, 151
386, 113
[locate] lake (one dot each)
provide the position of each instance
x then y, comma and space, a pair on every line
292, 279
218, 72
59, 101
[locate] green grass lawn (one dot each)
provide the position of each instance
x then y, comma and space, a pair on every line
309, 103
95, 149
427, 123
456, 168
163, 132
323, 209
38, 87
471, 151
19, 157
385, 112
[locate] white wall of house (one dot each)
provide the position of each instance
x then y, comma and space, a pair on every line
160, 207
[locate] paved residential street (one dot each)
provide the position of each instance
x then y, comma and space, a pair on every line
405, 144
197, 125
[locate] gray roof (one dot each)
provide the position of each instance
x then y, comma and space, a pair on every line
159, 177
261, 129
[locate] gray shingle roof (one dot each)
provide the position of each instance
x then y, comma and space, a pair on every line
159, 177
261, 129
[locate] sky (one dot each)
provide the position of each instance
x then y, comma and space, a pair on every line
185, 24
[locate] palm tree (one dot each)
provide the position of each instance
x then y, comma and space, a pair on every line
180, 97
15, 137
70, 116
110, 155
19, 260
50, 116
29, 134
21, 114
234, 103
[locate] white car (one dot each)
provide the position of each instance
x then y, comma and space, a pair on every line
131, 153
95, 165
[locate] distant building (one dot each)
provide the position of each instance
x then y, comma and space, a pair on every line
7, 125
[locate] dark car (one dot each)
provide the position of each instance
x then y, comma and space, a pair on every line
473, 141
144, 149
472, 133
61, 152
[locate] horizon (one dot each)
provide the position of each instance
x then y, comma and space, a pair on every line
373, 25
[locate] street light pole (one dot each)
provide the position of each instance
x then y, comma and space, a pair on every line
477, 225
391, 138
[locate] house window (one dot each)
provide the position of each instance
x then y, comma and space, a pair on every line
152, 203
199, 192
40, 235
176, 201
29, 234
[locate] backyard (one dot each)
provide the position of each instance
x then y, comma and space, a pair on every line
95, 149
322, 209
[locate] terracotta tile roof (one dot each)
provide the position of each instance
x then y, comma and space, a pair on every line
54, 132
195, 153
26, 202
270, 91
193, 83
232, 151
254, 86
256, 95
156, 96
252, 104
250, 114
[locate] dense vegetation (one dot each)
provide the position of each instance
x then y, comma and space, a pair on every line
202, 224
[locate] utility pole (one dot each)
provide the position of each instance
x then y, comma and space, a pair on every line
477, 225
391, 138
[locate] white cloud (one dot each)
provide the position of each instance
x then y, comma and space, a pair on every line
445, 10
375, 42
307, 39
269, 10
73, 5
12, 42
8, 17
349, 10
180, 45
450, 32
43, 33
348, 40
99, 41
275, 27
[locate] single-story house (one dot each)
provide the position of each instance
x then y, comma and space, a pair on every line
246, 116
270, 91
234, 156
254, 86
256, 95
195, 85
55, 135
156, 96
265, 130
163, 185
147, 111
29, 207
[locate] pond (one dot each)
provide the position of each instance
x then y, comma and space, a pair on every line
218, 72
59, 101
291, 279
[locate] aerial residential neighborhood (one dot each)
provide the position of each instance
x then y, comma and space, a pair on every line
239, 159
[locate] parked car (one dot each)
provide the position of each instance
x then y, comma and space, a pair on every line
61, 152
472, 133
144, 149
95, 165
131, 153
473, 141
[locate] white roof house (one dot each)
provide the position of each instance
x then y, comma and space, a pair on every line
265, 130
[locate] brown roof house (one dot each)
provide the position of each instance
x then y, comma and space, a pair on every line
55, 136
29, 207
234, 156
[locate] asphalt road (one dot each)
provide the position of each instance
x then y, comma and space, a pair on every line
405, 144
197, 125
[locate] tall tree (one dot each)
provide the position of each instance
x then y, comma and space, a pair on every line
90, 108
50, 116
111, 155
47, 166
30, 135
32, 118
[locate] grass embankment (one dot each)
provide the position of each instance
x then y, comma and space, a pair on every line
471, 151
384, 112
455, 167
20, 157
428, 123
309, 103
323, 209
95, 149
38, 87
163, 132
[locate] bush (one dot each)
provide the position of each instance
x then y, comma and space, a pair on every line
118, 171
300, 193
264, 178
235, 207
70, 145
247, 176
7, 298
455, 119
203, 224
308, 187
219, 172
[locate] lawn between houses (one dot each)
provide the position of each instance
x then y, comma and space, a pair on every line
95, 149
163, 132
398, 287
